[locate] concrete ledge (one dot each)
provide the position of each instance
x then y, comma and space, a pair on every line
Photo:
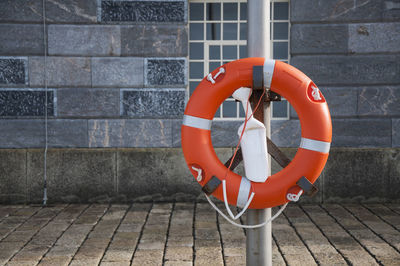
161, 174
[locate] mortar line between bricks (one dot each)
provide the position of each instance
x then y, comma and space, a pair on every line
87, 235
13, 230
396, 212
30, 239
327, 238
301, 239
115, 231
348, 232
194, 232
381, 217
168, 228
373, 231
279, 249
220, 238
73, 222
141, 233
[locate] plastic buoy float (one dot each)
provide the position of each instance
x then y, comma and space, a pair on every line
316, 133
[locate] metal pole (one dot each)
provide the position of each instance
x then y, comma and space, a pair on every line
259, 241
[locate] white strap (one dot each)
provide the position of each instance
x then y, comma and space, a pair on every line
244, 191
315, 145
227, 206
197, 122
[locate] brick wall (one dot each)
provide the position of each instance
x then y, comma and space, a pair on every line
116, 72
117, 78
351, 49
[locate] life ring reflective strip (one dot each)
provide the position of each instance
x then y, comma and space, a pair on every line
283, 79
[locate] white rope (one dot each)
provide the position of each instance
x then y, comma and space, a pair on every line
244, 225
45, 105
227, 206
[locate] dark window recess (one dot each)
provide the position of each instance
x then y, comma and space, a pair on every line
12, 71
143, 11
26, 103
165, 72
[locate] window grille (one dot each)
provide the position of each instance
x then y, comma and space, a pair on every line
217, 35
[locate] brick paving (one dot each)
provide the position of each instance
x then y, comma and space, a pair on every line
194, 234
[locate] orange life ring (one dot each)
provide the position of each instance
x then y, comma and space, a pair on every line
303, 95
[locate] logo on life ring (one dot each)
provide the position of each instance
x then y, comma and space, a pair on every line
314, 93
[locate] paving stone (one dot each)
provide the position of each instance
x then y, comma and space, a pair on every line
21, 39
56, 11
154, 40
371, 38
143, 11
170, 71
84, 40
179, 254
21, 102
71, 171
349, 70
117, 72
379, 101
81, 102
13, 70
335, 11
148, 257
149, 103
381, 250
60, 71
361, 133
318, 38
129, 133
23, 133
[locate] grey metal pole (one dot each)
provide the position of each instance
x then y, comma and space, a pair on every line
259, 241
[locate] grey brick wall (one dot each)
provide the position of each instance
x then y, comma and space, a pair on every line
351, 50
116, 72
117, 79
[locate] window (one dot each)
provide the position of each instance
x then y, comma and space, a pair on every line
217, 35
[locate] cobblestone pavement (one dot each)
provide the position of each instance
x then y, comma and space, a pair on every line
192, 233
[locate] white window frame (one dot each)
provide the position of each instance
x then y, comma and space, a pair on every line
237, 43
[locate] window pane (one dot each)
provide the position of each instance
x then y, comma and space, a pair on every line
243, 51
243, 31
196, 31
280, 50
217, 113
214, 52
279, 109
229, 109
213, 31
213, 11
196, 11
230, 31
281, 10
242, 112
192, 86
229, 52
196, 51
281, 30
230, 11
196, 70
213, 66
243, 11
